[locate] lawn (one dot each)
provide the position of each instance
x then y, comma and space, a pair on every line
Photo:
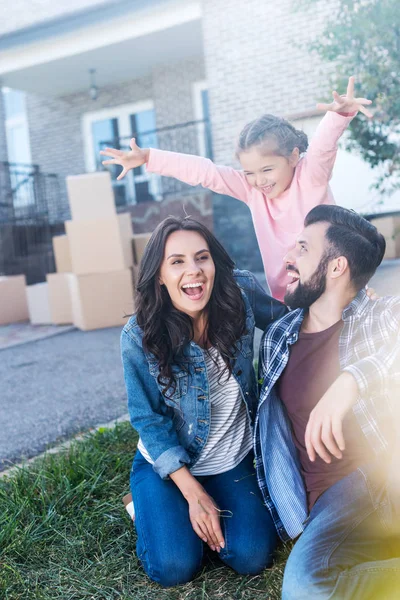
64, 533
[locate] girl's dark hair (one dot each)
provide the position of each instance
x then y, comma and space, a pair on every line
166, 330
269, 128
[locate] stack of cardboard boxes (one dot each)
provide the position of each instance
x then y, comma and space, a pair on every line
96, 261
93, 286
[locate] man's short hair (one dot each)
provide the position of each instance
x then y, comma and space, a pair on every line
353, 237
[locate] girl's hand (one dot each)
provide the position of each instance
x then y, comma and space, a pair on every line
204, 517
347, 104
136, 157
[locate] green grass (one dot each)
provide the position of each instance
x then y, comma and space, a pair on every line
64, 533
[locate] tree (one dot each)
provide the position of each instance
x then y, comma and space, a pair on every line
362, 38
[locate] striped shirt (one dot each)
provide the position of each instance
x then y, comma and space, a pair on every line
230, 435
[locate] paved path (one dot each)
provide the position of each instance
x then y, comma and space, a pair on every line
53, 388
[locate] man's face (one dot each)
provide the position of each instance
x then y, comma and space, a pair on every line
307, 265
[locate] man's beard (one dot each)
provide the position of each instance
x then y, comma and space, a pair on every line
307, 293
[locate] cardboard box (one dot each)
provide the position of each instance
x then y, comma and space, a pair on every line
38, 304
392, 248
91, 196
100, 245
13, 299
60, 298
102, 299
139, 243
389, 227
62, 255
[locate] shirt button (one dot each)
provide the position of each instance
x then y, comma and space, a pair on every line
239, 372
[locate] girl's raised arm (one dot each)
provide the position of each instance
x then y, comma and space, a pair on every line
321, 154
191, 169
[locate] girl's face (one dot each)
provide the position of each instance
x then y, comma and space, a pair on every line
269, 173
188, 272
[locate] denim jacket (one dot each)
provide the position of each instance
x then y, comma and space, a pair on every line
174, 427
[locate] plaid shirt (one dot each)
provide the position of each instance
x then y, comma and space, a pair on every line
369, 349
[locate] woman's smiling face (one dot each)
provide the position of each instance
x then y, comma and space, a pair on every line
188, 271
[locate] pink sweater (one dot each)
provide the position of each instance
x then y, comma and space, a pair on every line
277, 221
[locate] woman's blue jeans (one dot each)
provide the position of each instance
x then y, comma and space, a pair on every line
168, 548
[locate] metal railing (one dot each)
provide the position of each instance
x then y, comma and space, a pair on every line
192, 137
30, 214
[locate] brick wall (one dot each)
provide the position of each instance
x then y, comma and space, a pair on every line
257, 61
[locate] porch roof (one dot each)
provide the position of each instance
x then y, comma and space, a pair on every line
122, 40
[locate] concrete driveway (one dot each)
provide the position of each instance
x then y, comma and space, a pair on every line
56, 387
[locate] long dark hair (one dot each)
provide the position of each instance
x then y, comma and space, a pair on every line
166, 330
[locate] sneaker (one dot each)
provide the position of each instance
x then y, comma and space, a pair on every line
128, 503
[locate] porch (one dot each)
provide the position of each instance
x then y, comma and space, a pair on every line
34, 206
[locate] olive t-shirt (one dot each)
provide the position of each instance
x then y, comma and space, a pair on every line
312, 367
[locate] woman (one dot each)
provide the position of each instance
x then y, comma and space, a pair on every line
192, 395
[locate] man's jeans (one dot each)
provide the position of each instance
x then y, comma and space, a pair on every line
350, 548
168, 548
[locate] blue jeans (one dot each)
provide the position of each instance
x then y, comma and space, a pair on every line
168, 548
350, 548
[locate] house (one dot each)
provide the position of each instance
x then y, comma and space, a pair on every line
182, 75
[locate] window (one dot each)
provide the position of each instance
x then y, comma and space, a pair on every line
115, 127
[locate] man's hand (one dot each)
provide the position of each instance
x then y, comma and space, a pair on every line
347, 104
136, 157
324, 431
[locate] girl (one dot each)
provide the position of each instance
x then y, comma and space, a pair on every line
187, 356
278, 184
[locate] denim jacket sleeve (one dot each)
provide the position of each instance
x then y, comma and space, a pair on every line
266, 309
148, 412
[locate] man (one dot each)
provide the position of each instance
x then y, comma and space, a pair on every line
328, 418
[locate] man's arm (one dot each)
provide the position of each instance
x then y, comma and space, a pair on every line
356, 387
266, 309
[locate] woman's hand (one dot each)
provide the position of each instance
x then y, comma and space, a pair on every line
347, 104
136, 157
205, 520
203, 512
